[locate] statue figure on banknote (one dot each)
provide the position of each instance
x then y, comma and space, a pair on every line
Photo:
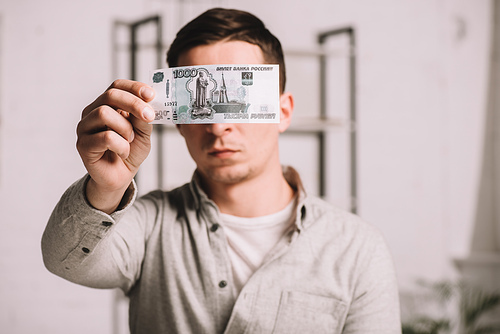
200, 107
201, 91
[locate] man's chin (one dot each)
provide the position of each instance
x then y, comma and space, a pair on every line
227, 175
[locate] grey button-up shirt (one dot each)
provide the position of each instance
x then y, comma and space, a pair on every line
332, 273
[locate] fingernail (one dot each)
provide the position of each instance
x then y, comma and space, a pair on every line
148, 114
147, 93
132, 136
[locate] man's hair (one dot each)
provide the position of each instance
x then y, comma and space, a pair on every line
219, 24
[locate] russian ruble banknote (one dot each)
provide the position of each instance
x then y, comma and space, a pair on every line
216, 94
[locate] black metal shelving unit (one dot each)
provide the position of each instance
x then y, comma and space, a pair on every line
318, 127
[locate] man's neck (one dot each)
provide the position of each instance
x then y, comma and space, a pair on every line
258, 196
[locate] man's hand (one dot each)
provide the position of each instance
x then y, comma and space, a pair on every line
114, 139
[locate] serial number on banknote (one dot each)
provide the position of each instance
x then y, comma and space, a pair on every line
216, 94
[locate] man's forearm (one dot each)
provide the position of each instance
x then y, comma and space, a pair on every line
78, 242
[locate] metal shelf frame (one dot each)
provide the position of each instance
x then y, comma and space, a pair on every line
352, 128
134, 47
318, 127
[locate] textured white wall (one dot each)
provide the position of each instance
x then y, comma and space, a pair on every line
422, 90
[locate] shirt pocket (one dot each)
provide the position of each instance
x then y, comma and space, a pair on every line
301, 312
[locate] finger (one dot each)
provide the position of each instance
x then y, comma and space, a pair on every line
130, 96
141, 128
93, 146
104, 118
136, 88
120, 99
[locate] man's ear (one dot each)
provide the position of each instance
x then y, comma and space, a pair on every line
286, 106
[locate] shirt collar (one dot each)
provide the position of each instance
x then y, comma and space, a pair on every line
291, 176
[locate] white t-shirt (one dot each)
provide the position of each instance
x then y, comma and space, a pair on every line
250, 240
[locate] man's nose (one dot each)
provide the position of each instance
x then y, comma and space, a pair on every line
219, 129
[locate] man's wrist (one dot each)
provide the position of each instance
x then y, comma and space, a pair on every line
105, 200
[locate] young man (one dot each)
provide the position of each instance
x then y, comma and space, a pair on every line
241, 248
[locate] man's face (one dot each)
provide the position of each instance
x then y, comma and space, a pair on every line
230, 153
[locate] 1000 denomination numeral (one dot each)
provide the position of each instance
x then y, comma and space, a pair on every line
185, 73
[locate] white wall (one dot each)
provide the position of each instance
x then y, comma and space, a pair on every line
421, 96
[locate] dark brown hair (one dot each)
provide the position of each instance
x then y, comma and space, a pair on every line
220, 24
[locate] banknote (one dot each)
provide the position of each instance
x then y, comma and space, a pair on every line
216, 94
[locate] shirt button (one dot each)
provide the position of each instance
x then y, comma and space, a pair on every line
107, 224
222, 284
214, 227
85, 250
